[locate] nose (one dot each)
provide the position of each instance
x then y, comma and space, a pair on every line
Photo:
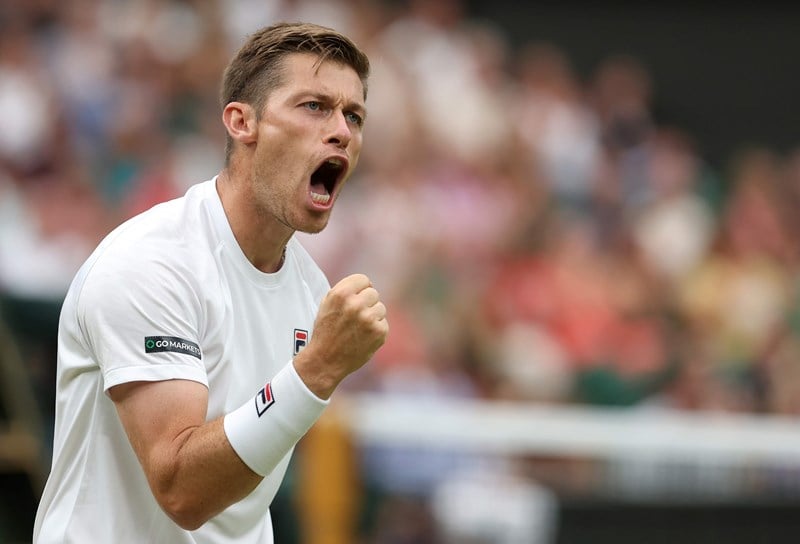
339, 132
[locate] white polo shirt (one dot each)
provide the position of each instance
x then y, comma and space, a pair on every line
168, 295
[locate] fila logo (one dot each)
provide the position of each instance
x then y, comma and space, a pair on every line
264, 399
300, 340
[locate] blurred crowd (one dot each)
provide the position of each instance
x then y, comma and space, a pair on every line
538, 234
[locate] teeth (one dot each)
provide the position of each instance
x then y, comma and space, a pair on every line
338, 163
320, 199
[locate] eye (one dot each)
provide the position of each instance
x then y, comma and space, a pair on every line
313, 105
354, 118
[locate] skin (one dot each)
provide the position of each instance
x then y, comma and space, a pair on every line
192, 469
265, 191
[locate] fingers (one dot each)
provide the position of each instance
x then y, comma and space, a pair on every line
369, 297
351, 325
356, 296
374, 312
355, 292
352, 284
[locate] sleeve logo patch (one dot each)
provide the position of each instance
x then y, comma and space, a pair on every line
157, 344
264, 399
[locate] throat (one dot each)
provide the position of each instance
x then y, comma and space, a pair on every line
269, 268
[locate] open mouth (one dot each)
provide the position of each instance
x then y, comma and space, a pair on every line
325, 179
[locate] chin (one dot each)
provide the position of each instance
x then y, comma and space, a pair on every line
313, 227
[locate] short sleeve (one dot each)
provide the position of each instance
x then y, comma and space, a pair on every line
140, 314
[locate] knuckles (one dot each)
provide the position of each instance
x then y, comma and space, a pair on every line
360, 311
352, 305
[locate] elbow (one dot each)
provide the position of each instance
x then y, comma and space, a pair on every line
187, 512
186, 505
187, 522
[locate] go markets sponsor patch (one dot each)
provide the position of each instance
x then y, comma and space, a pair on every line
156, 344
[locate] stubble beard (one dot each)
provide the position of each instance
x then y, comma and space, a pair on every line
272, 206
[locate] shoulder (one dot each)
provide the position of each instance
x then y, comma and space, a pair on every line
160, 250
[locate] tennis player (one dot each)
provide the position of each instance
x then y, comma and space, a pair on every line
199, 342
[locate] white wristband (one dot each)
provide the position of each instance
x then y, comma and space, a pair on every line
265, 428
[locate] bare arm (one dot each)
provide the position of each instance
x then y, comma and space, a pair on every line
192, 467
193, 471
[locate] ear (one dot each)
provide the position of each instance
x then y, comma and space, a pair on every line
240, 122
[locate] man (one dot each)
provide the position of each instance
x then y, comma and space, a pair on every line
165, 429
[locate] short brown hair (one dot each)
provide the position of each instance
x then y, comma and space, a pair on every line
256, 68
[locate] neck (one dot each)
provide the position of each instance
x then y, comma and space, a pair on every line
262, 239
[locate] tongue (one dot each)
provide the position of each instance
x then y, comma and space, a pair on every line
318, 188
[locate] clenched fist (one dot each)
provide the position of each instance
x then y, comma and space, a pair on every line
350, 327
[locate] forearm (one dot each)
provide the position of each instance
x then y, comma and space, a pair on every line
196, 469
199, 475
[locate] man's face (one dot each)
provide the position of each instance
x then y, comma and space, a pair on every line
309, 140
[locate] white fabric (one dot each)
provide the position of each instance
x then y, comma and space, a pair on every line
259, 429
175, 270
